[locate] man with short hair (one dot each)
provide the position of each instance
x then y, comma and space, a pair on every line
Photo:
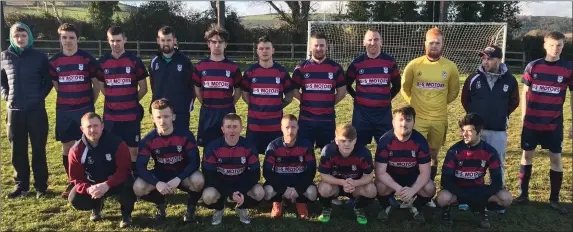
319, 85
74, 75
267, 89
121, 73
25, 82
217, 86
289, 170
232, 172
463, 173
429, 84
545, 87
346, 169
377, 82
170, 77
99, 167
176, 162
403, 165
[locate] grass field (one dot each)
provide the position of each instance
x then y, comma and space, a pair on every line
65, 11
54, 213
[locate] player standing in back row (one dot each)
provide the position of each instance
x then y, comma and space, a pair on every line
377, 82
264, 85
121, 73
545, 88
74, 75
217, 80
429, 84
321, 83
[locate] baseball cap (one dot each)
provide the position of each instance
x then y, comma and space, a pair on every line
492, 51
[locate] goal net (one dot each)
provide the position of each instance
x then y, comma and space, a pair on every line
405, 40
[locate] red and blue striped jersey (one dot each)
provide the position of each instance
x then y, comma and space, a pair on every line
354, 166
548, 82
74, 76
468, 165
120, 77
290, 161
403, 158
266, 88
231, 162
374, 77
217, 80
174, 155
318, 83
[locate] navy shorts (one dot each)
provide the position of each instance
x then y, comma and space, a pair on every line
370, 123
182, 120
68, 124
404, 180
128, 131
261, 140
477, 191
321, 133
550, 140
210, 121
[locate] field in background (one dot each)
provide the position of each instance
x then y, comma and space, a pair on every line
55, 213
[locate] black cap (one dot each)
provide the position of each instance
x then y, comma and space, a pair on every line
492, 52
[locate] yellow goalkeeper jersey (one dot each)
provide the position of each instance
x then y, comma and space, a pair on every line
430, 86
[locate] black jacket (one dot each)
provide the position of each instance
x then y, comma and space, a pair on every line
25, 81
493, 105
172, 80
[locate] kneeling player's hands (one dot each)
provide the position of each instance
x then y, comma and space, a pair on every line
98, 190
163, 188
173, 183
291, 193
238, 198
407, 193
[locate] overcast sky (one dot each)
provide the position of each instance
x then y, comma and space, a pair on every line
538, 8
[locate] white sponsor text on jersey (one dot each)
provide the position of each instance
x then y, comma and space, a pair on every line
289, 170
170, 160
468, 175
216, 84
266, 91
71, 78
230, 171
545, 89
402, 164
374, 81
118, 81
431, 85
318, 86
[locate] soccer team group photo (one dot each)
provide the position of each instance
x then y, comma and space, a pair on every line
397, 134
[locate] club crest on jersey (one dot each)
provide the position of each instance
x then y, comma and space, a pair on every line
57, 69
330, 75
254, 80
156, 66
81, 67
444, 75
157, 151
278, 80
386, 70
478, 84
128, 69
361, 71
301, 159
108, 157
535, 76
560, 79
353, 167
413, 153
306, 75
106, 71
461, 163
219, 160
243, 160
505, 88
179, 148
279, 159
90, 160
419, 74
136, 138
204, 73
391, 153
483, 163
228, 73
179, 67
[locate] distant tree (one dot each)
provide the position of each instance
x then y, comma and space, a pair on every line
101, 13
296, 19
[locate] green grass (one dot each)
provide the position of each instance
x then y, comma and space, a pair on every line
65, 11
55, 213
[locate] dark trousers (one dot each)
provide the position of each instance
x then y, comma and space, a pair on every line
19, 125
125, 192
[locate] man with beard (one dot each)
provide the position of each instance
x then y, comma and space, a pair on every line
377, 82
545, 87
289, 170
170, 77
319, 85
74, 75
463, 174
122, 72
217, 86
429, 84
492, 92
403, 165
264, 85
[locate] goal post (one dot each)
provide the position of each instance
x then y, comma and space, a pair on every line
405, 40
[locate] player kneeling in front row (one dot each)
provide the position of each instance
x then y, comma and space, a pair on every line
176, 159
232, 170
346, 169
99, 166
403, 166
289, 170
464, 170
